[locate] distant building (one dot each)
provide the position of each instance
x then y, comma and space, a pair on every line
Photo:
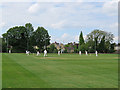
117, 48
70, 49
76, 44
62, 46
58, 46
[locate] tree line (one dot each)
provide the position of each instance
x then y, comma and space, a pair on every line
22, 38
97, 40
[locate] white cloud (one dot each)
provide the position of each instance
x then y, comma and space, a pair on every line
85, 37
68, 15
65, 35
58, 25
116, 39
55, 0
34, 8
110, 8
2, 24
76, 38
65, 38
62, 16
114, 26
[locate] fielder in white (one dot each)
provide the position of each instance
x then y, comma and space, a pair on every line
61, 51
9, 51
86, 53
96, 53
58, 52
79, 52
38, 53
27, 52
45, 53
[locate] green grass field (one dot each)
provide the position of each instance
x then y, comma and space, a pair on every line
64, 71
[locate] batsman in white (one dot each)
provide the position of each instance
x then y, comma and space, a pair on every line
45, 53
96, 53
79, 52
58, 52
38, 53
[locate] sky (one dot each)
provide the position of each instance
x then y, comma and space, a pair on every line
63, 20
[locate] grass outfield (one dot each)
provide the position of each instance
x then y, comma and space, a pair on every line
64, 71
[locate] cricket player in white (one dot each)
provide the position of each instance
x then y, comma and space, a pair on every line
79, 52
45, 53
9, 51
27, 52
61, 51
58, 52
86, 52
96, 53
38, 53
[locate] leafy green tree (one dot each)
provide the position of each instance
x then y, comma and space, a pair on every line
91, 46
4, 46
102, 45
75, 49
107, 46
100, 38
41, 38
67, 45
16, 37
29, 31
112, 48
81, 40
4, 42
23, 38
85, 47
55, 50
52, 48
65, 51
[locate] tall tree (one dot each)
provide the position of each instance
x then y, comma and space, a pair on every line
102, 45
4, 42
16, 37
81, 40
52, 49
97, 36
23, 38
29, 31
41, 38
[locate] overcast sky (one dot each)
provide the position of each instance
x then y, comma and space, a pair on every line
63, 20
